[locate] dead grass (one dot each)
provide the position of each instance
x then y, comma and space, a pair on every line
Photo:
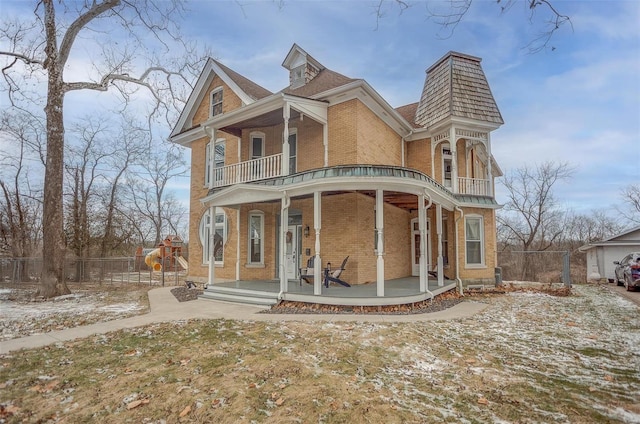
529, 358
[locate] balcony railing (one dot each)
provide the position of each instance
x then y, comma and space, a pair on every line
474, 186
252, 170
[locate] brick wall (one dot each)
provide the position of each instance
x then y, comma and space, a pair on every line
418, 155
342, 133
485, 273
230, 101
377, 143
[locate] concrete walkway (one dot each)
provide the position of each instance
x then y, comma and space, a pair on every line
165, 307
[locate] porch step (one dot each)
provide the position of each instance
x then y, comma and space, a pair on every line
252, 297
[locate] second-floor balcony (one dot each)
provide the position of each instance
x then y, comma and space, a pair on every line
271, 166
474, 186
248, 171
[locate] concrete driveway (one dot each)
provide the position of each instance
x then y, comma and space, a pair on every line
633, 296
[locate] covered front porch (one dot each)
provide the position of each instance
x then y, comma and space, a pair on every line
398, 291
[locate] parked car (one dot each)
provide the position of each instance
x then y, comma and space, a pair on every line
627, 271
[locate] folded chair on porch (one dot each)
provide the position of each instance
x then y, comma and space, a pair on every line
307, 273
334, 275
434, 273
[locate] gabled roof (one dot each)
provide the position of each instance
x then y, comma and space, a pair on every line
324, 81
456, 86
247, 90
254, 90
621, 239
408, 112
297, 56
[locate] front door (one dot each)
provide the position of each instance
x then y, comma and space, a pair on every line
415, 247
292, 251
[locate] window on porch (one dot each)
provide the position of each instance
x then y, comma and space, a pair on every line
256, 238
257, 145
293, 151
218, 160
219, 226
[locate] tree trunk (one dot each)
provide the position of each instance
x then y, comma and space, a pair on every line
52, 282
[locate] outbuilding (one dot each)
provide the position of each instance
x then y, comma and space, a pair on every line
602, 254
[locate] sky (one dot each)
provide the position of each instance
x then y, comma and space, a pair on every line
576, 101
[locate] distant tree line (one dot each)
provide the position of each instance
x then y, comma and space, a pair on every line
115, 188
533, 226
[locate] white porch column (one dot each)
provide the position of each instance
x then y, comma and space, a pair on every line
325, 143
286, 113
422, 215
380, 246
439, 231
238, 245
212, 155
453, 142
489, 166
239, 139
317, 224
284, 224
212, 257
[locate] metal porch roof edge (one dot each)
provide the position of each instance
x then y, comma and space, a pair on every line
345, 177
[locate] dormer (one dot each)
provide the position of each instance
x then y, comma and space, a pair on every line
302, 67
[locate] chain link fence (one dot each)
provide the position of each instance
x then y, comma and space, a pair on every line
122, 270
546, 267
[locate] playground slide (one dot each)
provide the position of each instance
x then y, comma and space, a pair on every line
183, 262
151, 258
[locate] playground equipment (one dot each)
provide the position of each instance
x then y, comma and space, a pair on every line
167, 254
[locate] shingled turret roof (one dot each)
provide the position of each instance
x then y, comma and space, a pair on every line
456, 86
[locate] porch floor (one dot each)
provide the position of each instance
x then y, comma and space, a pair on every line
396, 291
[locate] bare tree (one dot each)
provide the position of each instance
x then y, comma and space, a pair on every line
148, 189
531, 217
42, 47
85, 155
129, 147
450, 14
631, 200
20, 205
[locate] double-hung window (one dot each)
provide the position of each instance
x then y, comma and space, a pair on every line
256, 238
474, 240
216, 102
219, 228
218, 161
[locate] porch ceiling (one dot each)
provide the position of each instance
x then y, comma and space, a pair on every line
268, 119
405, 201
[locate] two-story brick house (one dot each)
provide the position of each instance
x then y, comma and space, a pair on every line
327, 168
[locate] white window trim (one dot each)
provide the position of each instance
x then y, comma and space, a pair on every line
211, 104
294, 131
447, 158
204, 231
256, 134
482, 242
209, 160
254, 213
298, 76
